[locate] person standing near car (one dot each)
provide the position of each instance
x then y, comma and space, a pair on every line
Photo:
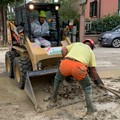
77, 57
40, 29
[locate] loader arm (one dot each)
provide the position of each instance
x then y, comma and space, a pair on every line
9, 37
65, 41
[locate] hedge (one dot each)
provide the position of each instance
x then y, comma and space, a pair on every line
106, 23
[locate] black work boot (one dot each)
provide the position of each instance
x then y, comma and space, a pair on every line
58, 79
90, 107
86, 85
54, 94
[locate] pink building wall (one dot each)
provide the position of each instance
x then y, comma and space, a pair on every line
104, 7
108, 7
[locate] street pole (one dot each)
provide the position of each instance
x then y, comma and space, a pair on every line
82, 20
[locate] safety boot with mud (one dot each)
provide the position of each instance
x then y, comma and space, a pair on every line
54, 94
90, 107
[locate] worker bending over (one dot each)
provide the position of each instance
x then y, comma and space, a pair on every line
77, 57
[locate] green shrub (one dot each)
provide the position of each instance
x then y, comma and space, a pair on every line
106, 23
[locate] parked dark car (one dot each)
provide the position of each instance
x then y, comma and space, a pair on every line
110, 38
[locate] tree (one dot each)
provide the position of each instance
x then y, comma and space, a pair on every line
3, 19
69, 9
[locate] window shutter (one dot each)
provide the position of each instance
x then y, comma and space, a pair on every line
93, 8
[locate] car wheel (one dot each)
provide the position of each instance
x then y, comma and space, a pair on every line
116, 43
100, 44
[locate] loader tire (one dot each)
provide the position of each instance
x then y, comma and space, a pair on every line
21, 66
9, 60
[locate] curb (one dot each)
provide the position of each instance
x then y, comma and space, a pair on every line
4, 48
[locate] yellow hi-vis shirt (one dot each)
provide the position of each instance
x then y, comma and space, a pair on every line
82, 53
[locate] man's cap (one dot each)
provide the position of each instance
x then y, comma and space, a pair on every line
91, 42
42, 14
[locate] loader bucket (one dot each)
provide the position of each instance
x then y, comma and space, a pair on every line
28, 84
39, 90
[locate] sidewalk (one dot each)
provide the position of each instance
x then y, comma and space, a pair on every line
3, 48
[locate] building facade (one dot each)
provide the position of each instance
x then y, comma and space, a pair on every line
95, 9
100, 8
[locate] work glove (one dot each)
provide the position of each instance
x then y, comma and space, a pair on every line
97, 82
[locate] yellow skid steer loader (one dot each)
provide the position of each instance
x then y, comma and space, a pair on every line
27, 59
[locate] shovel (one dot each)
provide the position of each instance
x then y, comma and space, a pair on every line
115, 92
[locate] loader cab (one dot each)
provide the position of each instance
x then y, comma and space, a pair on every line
26, 13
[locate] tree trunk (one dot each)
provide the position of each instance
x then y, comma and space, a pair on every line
3, 25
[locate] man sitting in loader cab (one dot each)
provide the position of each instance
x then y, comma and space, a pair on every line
40, 29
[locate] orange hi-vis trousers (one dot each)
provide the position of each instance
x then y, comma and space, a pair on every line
73, 68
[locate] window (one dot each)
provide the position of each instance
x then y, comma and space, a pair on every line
93, 8
87, 25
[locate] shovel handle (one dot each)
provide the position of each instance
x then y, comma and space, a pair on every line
110, 90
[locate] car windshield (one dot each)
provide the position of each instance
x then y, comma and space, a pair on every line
116, 28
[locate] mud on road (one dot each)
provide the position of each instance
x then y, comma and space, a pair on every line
15, 104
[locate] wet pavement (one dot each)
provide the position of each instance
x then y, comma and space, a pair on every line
15, 105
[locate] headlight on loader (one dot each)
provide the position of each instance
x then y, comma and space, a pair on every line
31, 7
56, 7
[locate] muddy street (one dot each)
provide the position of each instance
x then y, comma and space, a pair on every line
16, 105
